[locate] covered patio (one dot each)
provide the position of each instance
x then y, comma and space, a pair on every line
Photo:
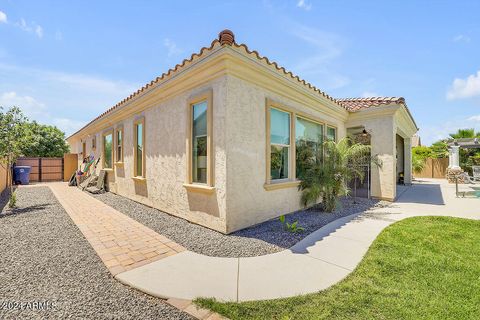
387, 125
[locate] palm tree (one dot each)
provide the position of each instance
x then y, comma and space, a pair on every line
418, 163
465, 133
328, 179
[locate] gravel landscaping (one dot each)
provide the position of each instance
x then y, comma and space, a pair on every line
265, 238
45, 258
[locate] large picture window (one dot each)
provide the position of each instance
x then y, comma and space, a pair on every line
108, 150
199, 145
139, 151
294, 143
279, 144
308, 144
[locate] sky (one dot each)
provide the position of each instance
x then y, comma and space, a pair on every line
65, 62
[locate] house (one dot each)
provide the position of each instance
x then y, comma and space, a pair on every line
213, 140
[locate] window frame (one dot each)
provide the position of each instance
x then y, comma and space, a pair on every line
94, 142
209, 186
117, 130
324, 132
84, 149
336, 132
290, 147
139, 120
291, 180
104, 135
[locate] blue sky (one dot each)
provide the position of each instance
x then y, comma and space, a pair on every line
64, 62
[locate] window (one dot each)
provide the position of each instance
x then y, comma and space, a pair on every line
119, 145
279, 144
308, 144
294, 143
199, 139
139, 151
94, 142
332, 133
84, 150
200, 173
108, 150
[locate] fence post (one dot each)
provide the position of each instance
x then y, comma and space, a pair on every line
39, 169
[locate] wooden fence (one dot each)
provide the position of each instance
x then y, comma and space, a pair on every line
43, 169
434, 168
4, 178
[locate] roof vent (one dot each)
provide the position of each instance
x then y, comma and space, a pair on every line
226, 37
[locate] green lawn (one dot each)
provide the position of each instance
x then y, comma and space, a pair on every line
418, 268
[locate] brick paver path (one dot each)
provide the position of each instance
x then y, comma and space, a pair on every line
121, 242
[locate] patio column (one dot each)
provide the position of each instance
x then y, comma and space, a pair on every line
454, 157
407, 170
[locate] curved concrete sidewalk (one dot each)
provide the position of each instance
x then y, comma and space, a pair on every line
317, 262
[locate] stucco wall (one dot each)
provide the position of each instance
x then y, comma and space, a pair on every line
166, 163
248, 202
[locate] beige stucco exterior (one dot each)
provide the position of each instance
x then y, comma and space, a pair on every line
240, 85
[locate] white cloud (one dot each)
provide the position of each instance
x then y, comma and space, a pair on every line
29, 105
172, 47
474, 118
36, 110
68, 126
465, 88
369, 94
461, 38
39, 31
3, 17
67, 100
30, 27
326, 48
304, 5
433, 133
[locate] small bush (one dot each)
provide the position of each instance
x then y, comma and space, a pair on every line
293, 228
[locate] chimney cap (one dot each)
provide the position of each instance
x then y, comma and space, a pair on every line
226, 37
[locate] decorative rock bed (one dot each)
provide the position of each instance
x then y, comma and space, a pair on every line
265, 238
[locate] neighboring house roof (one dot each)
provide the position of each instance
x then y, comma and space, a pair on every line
226, 37
359, 104
416, 141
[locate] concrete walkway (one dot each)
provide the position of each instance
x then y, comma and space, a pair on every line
317, 262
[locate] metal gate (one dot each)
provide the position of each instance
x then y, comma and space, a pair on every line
360, 188
43, 169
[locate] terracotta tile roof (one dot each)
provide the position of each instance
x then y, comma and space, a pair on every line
357, 104
226, 37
